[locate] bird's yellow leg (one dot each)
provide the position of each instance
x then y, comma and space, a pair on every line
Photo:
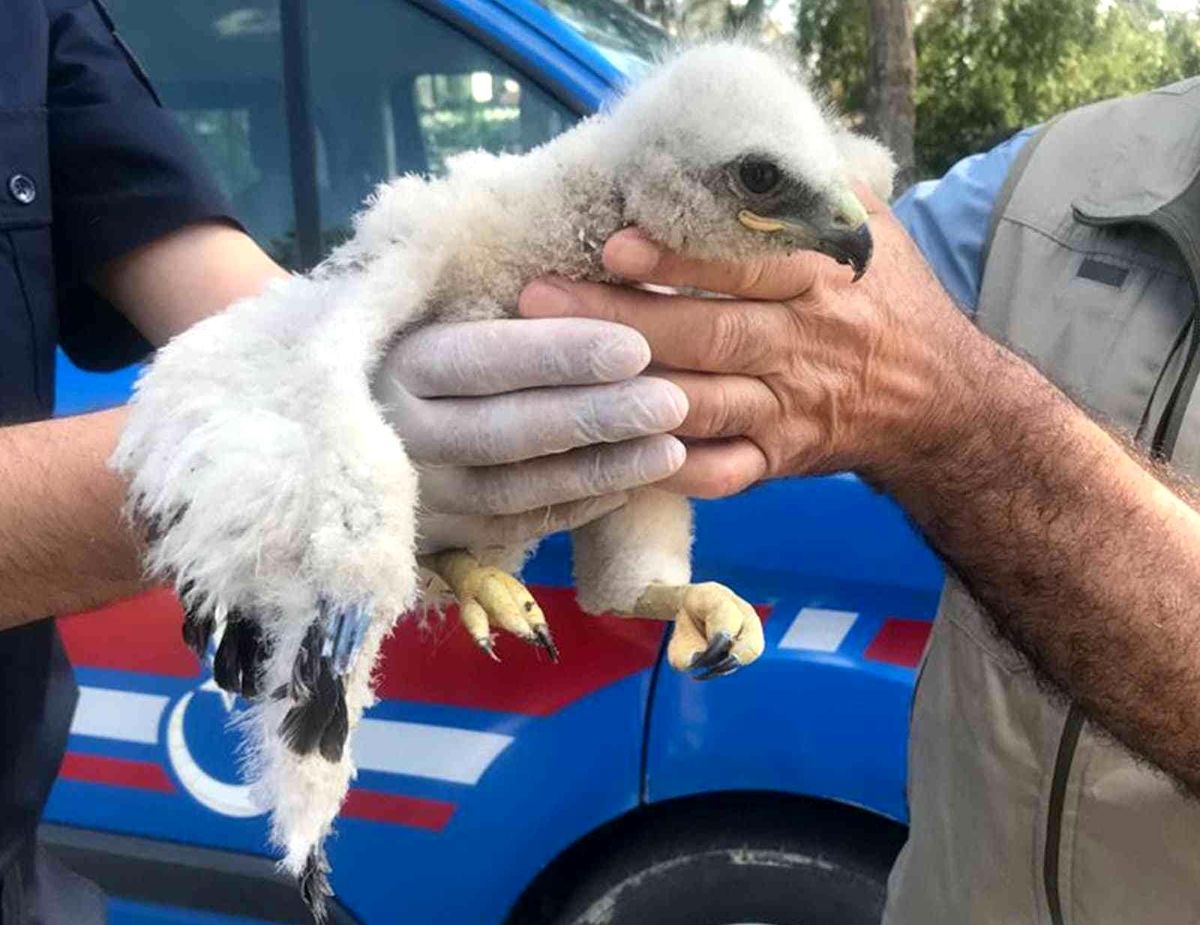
490, 597
716, 632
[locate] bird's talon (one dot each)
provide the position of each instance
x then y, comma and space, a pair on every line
546, 641
489, 598
485, 643
723, 668
716, 632
718, 649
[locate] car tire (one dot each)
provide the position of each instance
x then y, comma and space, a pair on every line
754, 868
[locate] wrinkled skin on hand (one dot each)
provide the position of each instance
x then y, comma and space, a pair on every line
802, 371
524, 428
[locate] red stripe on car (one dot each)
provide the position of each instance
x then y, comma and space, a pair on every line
431, 815
116, 772
899, 642
137, 634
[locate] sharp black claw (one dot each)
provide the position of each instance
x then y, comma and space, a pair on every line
546, 641
718, 648
723, 668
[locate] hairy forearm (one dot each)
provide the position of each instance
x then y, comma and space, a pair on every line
1077, 547
63, 545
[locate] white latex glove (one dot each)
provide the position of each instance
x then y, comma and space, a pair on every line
521, 428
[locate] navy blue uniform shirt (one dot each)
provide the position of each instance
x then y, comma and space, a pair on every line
91, 166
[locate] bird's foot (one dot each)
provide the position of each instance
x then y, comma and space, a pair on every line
716, 632
490, 598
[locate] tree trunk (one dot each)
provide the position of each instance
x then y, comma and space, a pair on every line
892, 82
748, 16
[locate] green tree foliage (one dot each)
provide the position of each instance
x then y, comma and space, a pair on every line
988, 67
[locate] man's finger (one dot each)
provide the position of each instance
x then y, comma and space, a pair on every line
551, 480
517, 426
508, 354
708, 335
631, 255
722, 406
718, 468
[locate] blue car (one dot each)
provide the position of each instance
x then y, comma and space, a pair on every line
603, 789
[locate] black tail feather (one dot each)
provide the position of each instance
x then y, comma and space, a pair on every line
307, 664
305, 723
227, 669
197, 620
252, 652
314, 884
333, 739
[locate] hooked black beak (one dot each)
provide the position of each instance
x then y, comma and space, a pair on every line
843, 233
853, 246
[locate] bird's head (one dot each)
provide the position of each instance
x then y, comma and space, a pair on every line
723, 152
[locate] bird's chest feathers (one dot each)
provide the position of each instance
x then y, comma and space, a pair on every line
556, 228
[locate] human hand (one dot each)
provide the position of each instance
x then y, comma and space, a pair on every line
803, 371
524, 428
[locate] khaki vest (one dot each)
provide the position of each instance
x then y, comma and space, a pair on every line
1022, 812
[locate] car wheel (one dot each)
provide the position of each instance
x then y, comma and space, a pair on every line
738, 871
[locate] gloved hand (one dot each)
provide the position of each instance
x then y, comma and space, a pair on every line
521, 428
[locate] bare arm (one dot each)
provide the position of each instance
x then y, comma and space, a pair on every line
63, 543
1082, 552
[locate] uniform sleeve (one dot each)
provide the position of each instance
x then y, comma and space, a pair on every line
122, 174
949, 218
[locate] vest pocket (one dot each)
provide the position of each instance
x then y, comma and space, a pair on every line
1116, 340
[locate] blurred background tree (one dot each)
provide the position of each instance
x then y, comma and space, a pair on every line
986, 68
940, 79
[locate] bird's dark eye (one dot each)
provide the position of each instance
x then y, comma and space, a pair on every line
759, 176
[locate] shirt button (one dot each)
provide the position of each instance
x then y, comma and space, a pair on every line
22, 188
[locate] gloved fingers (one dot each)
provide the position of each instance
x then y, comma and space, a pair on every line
510, 354
525, 425
454, 531
551, 480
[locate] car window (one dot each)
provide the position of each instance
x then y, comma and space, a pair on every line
629, 41
218, 65
394, 90
397, 90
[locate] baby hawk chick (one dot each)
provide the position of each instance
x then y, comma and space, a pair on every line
283, 507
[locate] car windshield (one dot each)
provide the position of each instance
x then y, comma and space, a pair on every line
629, 41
